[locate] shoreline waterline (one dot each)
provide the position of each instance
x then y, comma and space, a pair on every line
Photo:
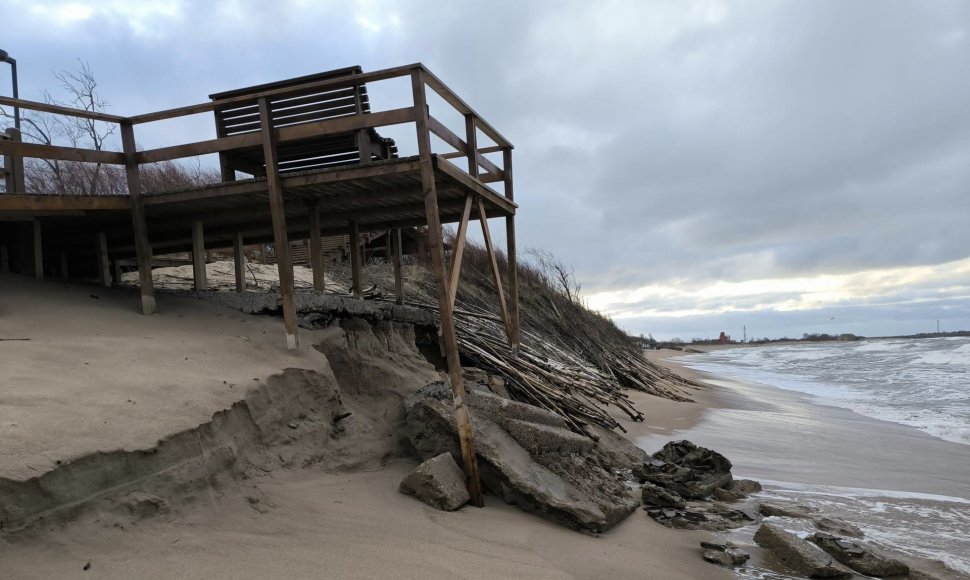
907, 489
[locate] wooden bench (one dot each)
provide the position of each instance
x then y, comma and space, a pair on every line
301, 105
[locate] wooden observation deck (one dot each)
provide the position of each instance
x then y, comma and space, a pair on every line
299, 159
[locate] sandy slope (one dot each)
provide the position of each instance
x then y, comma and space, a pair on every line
97, 375
147, 377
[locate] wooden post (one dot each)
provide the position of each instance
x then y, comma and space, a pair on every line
363, 137
490, 248
316, 248
104, 262
199, 276
471, 138
449, 340
275, 188
513, 269
65, 273
356, 265
239, 260
397, 258
143, 250
38, 251
459, 250
4, 259
118, 272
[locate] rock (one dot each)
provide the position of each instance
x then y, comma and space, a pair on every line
653, 495
837, 527
566, 481
617, 450
721, 494
860, 558
438, 482
799, 554
724, 554
700, 516
692, 472
743, 487
785, 510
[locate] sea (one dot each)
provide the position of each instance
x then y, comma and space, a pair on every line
874, 432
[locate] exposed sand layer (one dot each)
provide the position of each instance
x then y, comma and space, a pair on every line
96, 375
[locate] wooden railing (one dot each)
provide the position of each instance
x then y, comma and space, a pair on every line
477, 164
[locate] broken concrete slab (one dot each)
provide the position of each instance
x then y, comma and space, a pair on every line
862, 559
438, 482
801, 555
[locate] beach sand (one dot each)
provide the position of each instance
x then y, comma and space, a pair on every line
147, 377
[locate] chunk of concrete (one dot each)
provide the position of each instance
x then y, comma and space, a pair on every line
801, 555
786, 510
438, 482
538, 438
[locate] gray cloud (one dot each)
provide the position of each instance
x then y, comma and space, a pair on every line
656, 141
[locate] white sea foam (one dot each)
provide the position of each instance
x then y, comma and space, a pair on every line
922, 383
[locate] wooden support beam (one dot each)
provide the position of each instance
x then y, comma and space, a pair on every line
513, 271
38, 251
198, 257
316, 248
142, 248
104, 262
459, 250
280, 240
356, 262
471, 138
118, 272
493, 259
239, 260
436, 243
397, 252
19, 149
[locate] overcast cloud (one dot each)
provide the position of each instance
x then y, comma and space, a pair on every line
789, 166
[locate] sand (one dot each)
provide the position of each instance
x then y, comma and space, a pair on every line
147, 377
98, 375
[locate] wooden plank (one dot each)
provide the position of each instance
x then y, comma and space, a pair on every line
217, 145
239, 261
281, 243
513, 268
143, 249
436, 243
356, 265
345, 81
446, 135
459, 250
38, 251
40, 203
397, 252
316, 248
496, 274
104, 262
60, 110
481, 151
462, 107
345, 124
488, 194
38, 151
214, 191
198, 256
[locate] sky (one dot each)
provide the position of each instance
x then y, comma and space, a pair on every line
761, 168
